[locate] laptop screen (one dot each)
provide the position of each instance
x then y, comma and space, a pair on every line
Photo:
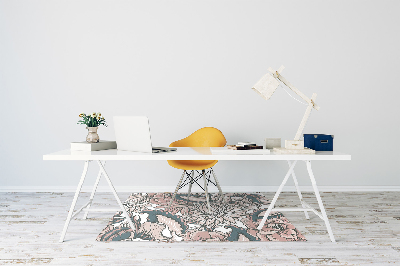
132, 133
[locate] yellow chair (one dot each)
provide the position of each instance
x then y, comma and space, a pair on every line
204, 137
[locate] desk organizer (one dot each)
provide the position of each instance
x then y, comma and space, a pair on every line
318, 142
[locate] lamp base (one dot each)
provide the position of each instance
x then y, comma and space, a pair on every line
293, 151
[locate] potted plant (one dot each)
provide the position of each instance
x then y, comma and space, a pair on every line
92, 123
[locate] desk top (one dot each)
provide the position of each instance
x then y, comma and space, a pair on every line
186, 153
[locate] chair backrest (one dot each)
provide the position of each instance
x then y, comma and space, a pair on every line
204, 137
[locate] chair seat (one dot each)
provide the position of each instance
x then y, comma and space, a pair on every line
192, 164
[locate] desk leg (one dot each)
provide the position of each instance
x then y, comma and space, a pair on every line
93, 192
271, 206
299, 192
116, 195
71, 210
321, 205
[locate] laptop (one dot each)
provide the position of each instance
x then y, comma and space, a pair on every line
133, 134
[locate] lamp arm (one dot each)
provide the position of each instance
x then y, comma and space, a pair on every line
293, 88
305, 117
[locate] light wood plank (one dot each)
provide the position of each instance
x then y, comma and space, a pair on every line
366, 227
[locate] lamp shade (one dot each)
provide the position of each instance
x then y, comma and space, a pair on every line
266, 86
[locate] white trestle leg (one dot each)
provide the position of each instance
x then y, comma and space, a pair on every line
93, 192
271, 206
299, 192
71, 210
321, 205
116, 195
305, 206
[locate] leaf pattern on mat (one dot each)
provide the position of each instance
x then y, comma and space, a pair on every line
233, 218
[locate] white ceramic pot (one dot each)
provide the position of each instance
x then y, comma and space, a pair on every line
92, 136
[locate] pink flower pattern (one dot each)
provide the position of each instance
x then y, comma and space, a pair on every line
233, 218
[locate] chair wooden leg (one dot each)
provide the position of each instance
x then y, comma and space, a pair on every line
216, 181
206, 190
177, 188
190, 184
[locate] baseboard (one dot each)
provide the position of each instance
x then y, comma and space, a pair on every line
196, 189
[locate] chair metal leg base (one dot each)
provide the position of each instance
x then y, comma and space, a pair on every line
190, 185
219, 187
206, 189
176, 189
191, 179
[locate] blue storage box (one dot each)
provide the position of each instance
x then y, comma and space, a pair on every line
318, 142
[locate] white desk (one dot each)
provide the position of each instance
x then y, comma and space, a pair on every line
195, 154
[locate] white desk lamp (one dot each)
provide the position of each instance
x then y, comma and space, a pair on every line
266, 86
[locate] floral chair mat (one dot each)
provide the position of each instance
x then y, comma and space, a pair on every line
233, 218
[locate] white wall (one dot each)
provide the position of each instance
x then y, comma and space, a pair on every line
190, 64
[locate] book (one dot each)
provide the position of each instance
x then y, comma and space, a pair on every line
244, 144
86, 146
250, 147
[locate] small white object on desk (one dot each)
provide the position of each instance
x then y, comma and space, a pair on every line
271, 143
98, 146
294, 144
225, 150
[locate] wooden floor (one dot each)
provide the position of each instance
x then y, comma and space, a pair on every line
366, 226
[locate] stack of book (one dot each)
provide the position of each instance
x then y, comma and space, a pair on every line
245, 146
240, 148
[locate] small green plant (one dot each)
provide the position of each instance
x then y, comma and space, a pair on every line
93, 120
